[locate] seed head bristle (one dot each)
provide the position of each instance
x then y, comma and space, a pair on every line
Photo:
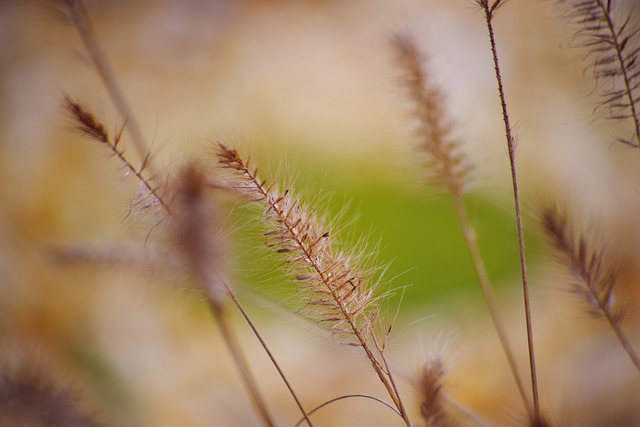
85, 122
432, 404
448, 165
613, 44
329, 280
150, 197
37, 392
593, 268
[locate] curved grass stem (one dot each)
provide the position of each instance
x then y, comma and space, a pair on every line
489, 296
274, 361
231, 341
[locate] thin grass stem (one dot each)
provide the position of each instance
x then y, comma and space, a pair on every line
231, 341
274, 361
464, 411
489, 296
82, 22
489, 11
349, 396
624, 341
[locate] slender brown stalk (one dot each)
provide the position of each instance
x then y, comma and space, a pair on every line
241, 362
624, 341
596, 275
327, 280
449, 168
489, 9
274, 361
82, 22
349, 396
489, 296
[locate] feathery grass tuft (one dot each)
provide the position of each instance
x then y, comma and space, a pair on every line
150, 196
78, 16
446, 162
32, 393
613, 43
594, 270
432, 403
329, 281
595, 277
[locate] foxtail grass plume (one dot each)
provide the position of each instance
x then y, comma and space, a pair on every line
595, 270
36, 392
594, 276
329, 280
432, 403
334, 287
448, 165
613, 43
150, 196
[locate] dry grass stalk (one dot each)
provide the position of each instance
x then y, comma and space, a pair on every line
595, 274
489, 9
329, 281
305, 414
449, 168
613, 45
78, 15
349, 396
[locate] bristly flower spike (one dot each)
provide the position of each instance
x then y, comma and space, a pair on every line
614, 46
331, 282
89, 126
449, 168
594, 270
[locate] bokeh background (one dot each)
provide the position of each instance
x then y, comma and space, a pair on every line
312, 91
